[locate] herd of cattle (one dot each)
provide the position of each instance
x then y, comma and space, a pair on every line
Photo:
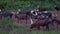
41, 16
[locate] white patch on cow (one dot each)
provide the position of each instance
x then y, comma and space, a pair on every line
0, 10
37, 10
13, 12
31, 21
19, 10
32, 11
45, 11
36, 13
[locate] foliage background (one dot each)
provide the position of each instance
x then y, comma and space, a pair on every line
22, 4
7, 26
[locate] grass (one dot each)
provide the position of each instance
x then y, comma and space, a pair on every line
23, 29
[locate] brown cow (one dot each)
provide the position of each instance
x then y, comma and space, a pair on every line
40, 22
22, 16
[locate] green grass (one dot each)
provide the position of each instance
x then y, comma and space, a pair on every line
23, 29
28, 4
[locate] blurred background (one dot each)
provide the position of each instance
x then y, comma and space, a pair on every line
9, 26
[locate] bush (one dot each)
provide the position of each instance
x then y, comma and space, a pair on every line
15, 4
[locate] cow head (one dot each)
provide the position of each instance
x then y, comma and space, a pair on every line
34, 13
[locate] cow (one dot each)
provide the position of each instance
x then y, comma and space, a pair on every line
40, 23
7, 14
22, 15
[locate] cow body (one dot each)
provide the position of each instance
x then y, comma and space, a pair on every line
39, 23
7, 14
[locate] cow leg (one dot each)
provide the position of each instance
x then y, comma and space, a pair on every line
38, 27
31, 26
47, 27
10, 16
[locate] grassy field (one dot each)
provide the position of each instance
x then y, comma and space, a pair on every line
15, 28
